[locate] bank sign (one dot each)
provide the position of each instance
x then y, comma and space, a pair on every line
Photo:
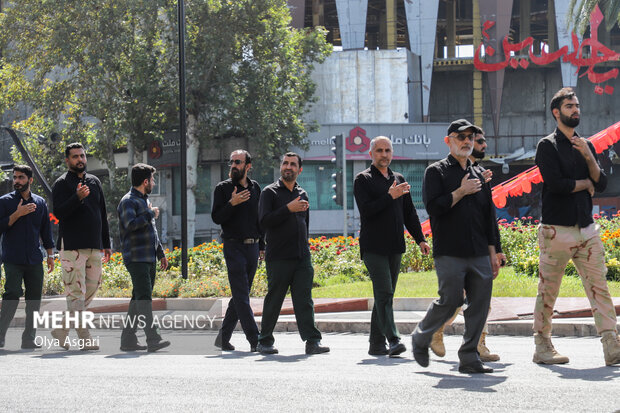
411, 141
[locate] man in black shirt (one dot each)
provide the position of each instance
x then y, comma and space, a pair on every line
463, 247
437, 346
235, 208
283, 213
571, 174
79, 204
385, 206
24, 223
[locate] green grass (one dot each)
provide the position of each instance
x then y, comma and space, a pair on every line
424, 284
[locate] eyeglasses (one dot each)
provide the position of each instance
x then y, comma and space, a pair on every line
235, 162
480, 141
461, 137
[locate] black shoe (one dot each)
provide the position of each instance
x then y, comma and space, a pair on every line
151, 348
223, 345
29, 345
315, 347
1, 342
396, 348
420, 354
262, 349
253, 348
474, 368
378, 350
133, 347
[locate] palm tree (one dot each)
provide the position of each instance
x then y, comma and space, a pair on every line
579, 13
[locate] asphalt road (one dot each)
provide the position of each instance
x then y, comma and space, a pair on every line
347, 379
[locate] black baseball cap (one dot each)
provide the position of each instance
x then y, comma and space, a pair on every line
460, 125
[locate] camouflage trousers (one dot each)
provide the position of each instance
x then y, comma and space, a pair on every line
559, 244
81, 274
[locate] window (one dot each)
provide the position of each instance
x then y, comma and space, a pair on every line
413, 171
316, 179
203, 190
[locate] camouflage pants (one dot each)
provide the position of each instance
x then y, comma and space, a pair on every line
81, 274
559, 244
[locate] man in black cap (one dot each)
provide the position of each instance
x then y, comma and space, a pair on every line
460, 210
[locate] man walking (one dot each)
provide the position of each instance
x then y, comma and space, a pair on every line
141, 250
437, 345
235, 208
283, 213
24, 221
385, 206
463, 247
79, 204
571, 175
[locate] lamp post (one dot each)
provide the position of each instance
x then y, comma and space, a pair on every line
183, 132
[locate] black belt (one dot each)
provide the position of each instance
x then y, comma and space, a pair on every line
244, 241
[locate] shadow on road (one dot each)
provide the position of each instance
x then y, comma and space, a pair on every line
64, 354
481, 383
285, 359
384, 361
232, 355
603, 373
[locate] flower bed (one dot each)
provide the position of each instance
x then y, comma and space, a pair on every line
336, 261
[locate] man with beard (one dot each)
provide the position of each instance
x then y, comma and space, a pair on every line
571, 175
437, 345
235, 208
386, 207
283, 213
141, 249
460, 210
24, 221
83, 233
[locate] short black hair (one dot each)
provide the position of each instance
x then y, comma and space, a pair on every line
558, 98
248, 157
140, 172
293, 154
25, 169
74, 145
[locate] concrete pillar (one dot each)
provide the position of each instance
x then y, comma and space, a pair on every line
525, 11
569, 75
422, 28
318, 13
352, 22
390, 24
551, 26
451, 27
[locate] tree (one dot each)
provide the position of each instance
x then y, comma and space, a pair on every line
248, 76
580, 10
96, 73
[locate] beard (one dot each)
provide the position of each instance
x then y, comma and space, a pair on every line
236, 175
289, 176
79, 169
21, 188
569, 121
478, 154
148, 188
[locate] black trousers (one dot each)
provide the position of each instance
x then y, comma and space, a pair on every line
241, 261
32, 278
455, 274
140, 312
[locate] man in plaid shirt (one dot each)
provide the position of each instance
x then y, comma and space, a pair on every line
141, 249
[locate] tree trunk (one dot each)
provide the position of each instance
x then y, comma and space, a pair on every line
193, 149
130, 155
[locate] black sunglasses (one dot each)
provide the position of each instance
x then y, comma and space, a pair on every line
235, 162
461, 137
480, 141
